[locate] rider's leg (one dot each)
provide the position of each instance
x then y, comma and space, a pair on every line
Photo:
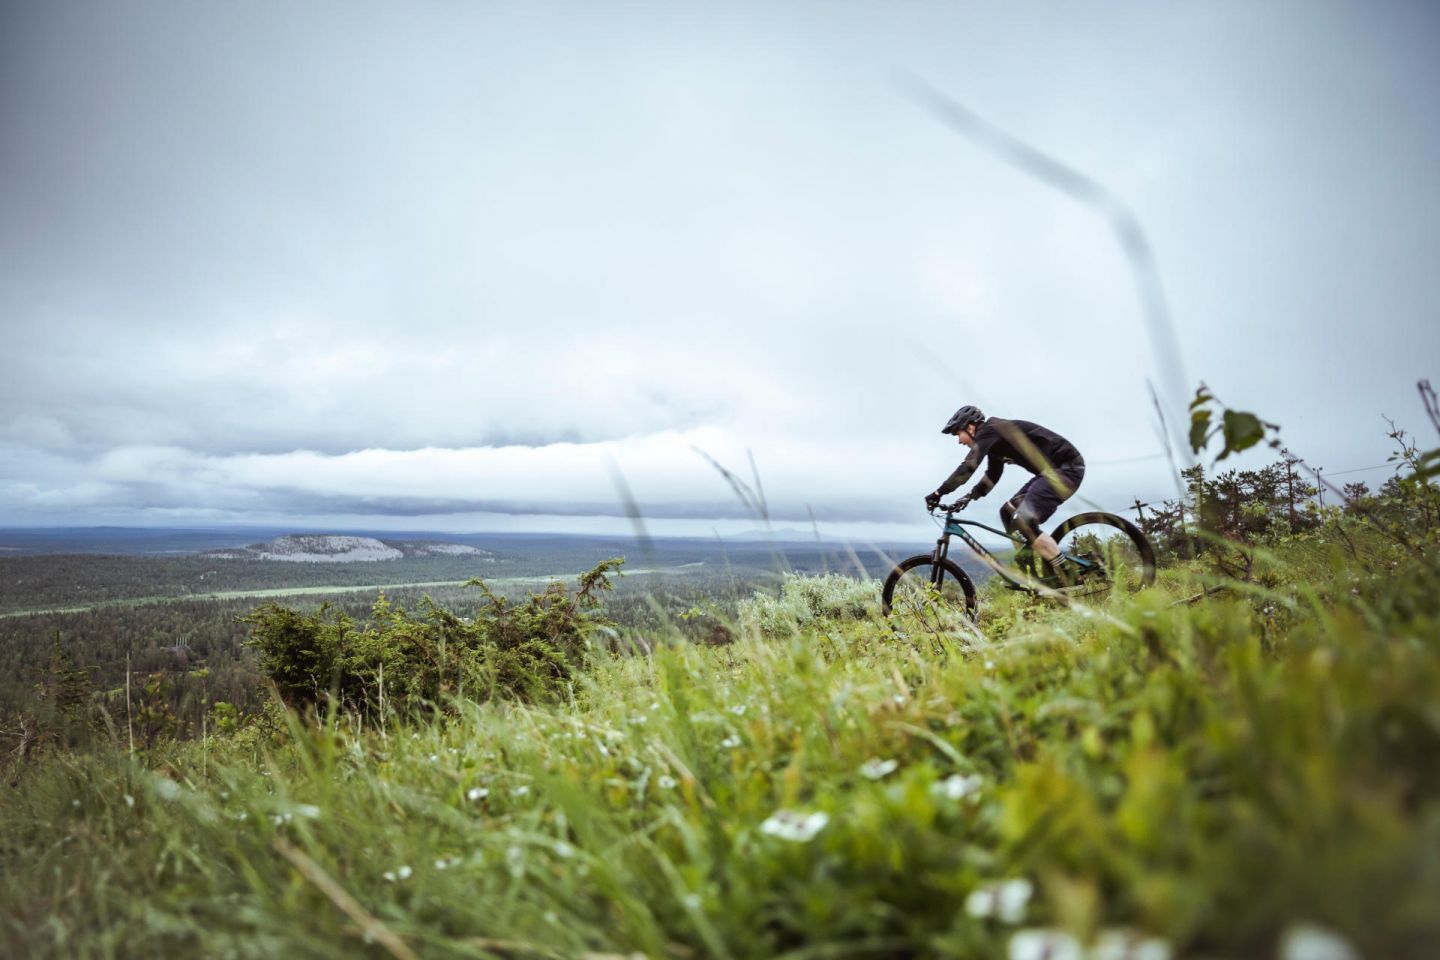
1040, 503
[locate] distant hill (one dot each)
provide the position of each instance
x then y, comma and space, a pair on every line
343, 548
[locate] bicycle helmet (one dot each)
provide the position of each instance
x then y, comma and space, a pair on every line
962, 418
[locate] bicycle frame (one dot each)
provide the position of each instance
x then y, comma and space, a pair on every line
955, 527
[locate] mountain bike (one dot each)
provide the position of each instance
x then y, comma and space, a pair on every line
1103, 549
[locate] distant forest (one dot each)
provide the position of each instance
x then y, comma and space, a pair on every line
185, 652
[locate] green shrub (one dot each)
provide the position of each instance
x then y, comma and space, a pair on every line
804, 599
399, 661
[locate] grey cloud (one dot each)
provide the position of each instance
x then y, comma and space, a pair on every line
272, 227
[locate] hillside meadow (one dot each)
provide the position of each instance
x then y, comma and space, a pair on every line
1217, 767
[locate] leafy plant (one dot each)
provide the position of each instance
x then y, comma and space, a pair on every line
399, 661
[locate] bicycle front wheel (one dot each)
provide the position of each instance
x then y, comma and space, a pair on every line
918, 585
1108, 550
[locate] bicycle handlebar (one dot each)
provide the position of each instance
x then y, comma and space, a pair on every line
955, 507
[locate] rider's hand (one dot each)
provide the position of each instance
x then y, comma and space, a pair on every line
932, 500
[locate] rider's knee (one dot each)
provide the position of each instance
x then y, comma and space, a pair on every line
1027, 521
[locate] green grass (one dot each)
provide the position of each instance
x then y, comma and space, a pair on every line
1209, 774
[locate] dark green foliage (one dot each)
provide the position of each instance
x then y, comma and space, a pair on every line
1237, 429
1237, 506
402, 662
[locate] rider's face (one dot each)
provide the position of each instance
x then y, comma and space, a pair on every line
967, 436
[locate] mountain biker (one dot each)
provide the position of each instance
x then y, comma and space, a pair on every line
1057, 465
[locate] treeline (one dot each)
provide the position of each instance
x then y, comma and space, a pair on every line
58, 580
1266, 505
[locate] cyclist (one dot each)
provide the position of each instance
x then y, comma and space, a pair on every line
1057, 465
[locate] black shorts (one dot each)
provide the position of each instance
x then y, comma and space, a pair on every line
1038, 500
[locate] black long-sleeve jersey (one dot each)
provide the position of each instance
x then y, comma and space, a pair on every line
1025, 444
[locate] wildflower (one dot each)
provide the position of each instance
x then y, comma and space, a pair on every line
730, 743
666, 782
551, 916
401, 874
655, 705
899, 699
434, 758
794, 825
446, 863
280, 819
989, 664
874, 769
1040, 944
1306, 941
1128, 945
476, 793
129, 800
738, 709
309, 811
956, 787
1005, 900
691, 900
520, 791
515, 857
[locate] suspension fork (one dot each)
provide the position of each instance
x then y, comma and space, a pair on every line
941, 552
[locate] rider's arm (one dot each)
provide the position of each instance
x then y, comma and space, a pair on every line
993, 469
984, 440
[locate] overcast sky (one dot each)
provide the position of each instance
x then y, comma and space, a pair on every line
460, 266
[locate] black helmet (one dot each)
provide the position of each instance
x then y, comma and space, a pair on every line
962, 418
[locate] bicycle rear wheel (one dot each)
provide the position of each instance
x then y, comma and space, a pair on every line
916, 585
1107, 550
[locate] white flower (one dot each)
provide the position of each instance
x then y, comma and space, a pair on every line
738, 709
446, 863
666, 782
899, 698
1044, 945
434, 758
730, 743
874, 769
1306, 941
563, 849
956, 787
793, 825
129, 800
476, 793
551, 916
1128, 945
401, 874
655, 705
520, 791
989, 664
309, 811
515, 857
1005, 900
